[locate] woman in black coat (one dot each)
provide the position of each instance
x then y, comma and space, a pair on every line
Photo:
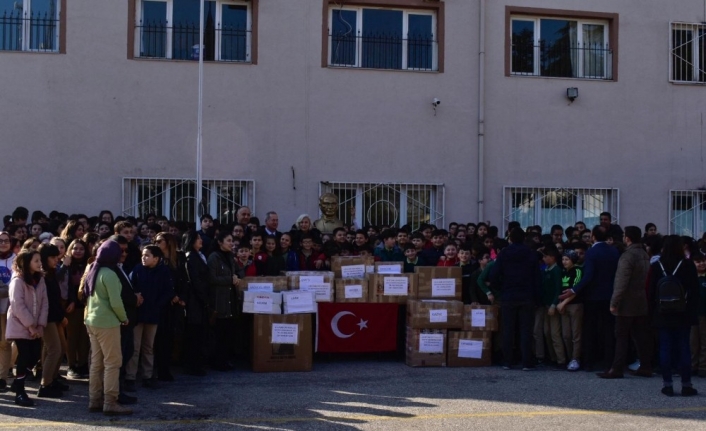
198, 311
674, 326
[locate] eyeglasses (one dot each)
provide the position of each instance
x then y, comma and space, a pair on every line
4, 241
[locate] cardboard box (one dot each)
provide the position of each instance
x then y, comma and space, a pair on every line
347, 289
434, 314
277, 284
490, 312
389, 267
438, 282
320, 282
297, 301
352, 266
282, 343
262, 302
472, 344
426, 347
395, 288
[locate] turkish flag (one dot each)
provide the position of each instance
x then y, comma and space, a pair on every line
356, 327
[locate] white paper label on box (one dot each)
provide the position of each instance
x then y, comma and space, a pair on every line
478, 318
354, 291
431, 343
396, 286
438, 316
307, 280
353, 271
370, 269
470, 349
285, 333
292, 309
322, 291
299, 300
389, 269
443, 287
262, 304
261, 287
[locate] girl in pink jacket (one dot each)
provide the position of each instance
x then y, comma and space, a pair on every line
26, 317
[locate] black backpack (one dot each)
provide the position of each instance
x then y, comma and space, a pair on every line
671, 298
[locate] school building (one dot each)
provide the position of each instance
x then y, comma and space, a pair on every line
541, 111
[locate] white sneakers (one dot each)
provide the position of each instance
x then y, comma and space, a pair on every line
574, 365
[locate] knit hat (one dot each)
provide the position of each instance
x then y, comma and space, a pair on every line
571, 254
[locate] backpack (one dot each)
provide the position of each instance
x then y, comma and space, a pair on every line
671, 298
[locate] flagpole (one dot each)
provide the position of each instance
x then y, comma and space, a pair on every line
199, 133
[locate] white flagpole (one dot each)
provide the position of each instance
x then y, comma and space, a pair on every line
199, 134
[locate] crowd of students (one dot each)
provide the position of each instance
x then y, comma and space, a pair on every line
141, 295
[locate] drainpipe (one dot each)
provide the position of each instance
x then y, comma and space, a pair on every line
481, 114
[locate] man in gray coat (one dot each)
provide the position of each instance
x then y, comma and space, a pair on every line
629, 305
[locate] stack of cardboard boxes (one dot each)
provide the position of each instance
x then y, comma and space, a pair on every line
472, 346
436, 309
280, 342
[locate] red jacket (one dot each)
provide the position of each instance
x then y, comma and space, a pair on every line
447, 262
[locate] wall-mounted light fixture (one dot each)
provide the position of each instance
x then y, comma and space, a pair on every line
572, 93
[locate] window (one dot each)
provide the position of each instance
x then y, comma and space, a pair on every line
563, 206
30, 25
169, 29
687, 213
175, 198
388, 204
560, 48
688, 56
561, 43
382, 38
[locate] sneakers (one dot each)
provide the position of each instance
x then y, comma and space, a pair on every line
50, 391
129, 385
149, 383
668, 391
116, 410
59, 385
574, 365
22, 399
634, 366
95, 406
688, 391
126, 399
74, 374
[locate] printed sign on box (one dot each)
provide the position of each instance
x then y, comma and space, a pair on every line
354, 291
431, 343
396, 286
443, 287
353, 271
285, 333
260, 287
470, 349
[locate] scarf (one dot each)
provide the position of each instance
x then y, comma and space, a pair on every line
108, 256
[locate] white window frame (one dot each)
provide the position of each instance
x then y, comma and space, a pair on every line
693, 27
405, 30
132, 185
697, 200
27, 28
219, 18
579, 42
611, 203
435, 209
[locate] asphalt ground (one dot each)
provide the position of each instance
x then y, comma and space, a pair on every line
378, 395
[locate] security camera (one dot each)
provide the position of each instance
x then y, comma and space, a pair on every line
436, 102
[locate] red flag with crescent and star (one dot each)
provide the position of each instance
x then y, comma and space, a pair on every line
356, 327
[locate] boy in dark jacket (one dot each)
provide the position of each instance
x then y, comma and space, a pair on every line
154, 282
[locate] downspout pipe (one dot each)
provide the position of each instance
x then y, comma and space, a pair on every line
481, 113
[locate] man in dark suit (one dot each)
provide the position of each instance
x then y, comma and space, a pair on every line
517, 270
271, 225
596, 289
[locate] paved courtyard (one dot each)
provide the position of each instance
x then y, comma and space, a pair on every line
379, 395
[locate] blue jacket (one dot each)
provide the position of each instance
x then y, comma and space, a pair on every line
599, 269
157, 289
517, 272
